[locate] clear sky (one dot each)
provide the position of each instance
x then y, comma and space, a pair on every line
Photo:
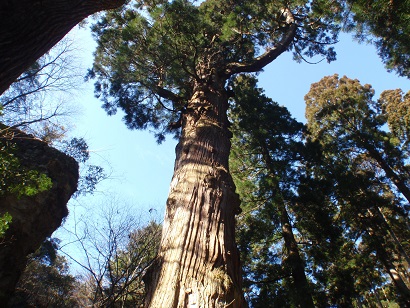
142, 170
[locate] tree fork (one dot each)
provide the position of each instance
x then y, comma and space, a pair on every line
198, 262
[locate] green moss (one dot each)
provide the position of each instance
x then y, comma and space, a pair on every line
17, 179
5, 222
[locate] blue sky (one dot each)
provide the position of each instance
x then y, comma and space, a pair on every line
142, 170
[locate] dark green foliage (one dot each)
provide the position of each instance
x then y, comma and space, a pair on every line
386, 23
348, 217
155, 57
344, 118
45, 282
265, 151
366, 167
395, 106
148, 62
5, 221
17, 179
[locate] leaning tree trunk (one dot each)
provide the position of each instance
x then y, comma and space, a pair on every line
300, 284
398, 180
29, 28
297, 265
198, 262
401, 288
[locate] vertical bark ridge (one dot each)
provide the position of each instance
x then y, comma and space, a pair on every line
198, 257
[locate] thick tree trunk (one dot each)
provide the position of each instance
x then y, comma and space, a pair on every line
198, 262
399, 246
398, 281
29, 28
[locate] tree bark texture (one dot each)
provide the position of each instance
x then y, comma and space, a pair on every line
198, 262
29, 28
397, 180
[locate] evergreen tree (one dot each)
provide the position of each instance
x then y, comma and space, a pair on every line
342, 114
368, 168
266, 148
385, 23
166, 64
344, 219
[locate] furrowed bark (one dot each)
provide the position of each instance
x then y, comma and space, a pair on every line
395, 276
29, 28
198, 262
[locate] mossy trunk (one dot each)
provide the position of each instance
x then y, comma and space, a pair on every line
198, 262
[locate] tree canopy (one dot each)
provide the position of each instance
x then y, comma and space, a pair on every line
151, 55
170, 67
346, 217
386, 25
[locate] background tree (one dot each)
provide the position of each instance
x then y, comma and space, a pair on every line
368, 167
37, 101
336, 207
167, 67
113, 253
385, 24
31, 28
341, 113
46, 281
266, 148
38, 104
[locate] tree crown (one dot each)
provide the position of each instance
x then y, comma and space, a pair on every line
152, 54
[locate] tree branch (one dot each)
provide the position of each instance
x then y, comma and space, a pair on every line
164, 93
271, 54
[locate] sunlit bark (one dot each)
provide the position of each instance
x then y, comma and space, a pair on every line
198, 262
